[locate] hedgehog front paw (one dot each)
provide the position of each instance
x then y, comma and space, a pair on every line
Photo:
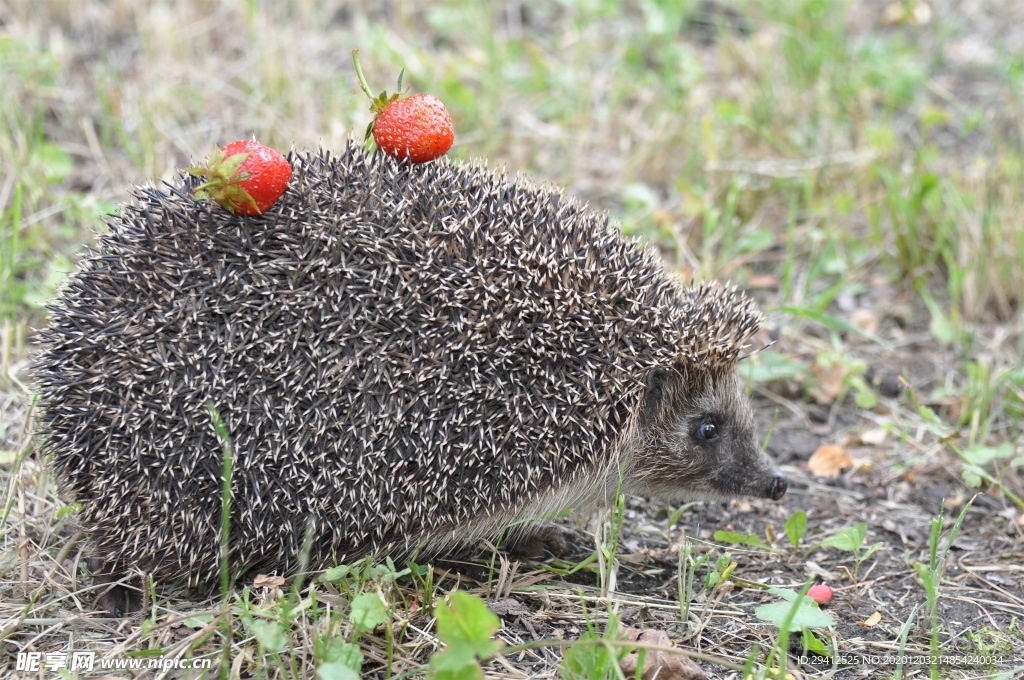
540, 542
113, 596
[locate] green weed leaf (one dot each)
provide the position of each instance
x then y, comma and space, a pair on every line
849, 539
865, 398
466, 619
871, 551
198, 621
68, 509
345, 653
796, 527
368, 611
719, 572
269, 634
456, 662
926, 576
813, 645
829, 321
983, 455
807, 614
588, 661
771, 368
336, 574
755, 241
387, 572
342, 661
972, 475
941, 327
55, 162
333, 670
467, 627
732, 537
712, 580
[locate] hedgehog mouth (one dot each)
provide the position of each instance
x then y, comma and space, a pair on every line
774, 492
772, 486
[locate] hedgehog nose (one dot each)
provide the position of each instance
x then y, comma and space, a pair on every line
777, 487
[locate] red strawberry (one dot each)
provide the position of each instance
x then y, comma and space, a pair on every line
820, 593
417, 127
244, 176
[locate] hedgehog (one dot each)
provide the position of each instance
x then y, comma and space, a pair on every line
407, 359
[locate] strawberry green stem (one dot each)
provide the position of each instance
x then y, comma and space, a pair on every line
359, 74
218, 182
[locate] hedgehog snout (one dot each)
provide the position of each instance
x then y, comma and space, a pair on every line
777, 486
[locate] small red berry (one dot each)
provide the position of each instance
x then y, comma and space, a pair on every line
245, 177
417, 128
820, 593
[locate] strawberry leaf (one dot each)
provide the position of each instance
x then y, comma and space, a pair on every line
230, 165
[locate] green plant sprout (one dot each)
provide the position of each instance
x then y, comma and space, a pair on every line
931, 575
467, 627
851, 539
796, 528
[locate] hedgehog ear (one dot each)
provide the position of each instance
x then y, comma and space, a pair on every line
658, 381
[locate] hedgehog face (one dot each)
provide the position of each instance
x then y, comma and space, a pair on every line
701, 444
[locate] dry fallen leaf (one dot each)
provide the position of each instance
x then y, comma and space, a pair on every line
871, 620
861, 464
658, 665
813, 569
508, 607
874, 437
763, 281
828, 461
865, 319
909, 13
831, 383
264, 581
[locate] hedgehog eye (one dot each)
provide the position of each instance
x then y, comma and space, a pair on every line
707, 431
